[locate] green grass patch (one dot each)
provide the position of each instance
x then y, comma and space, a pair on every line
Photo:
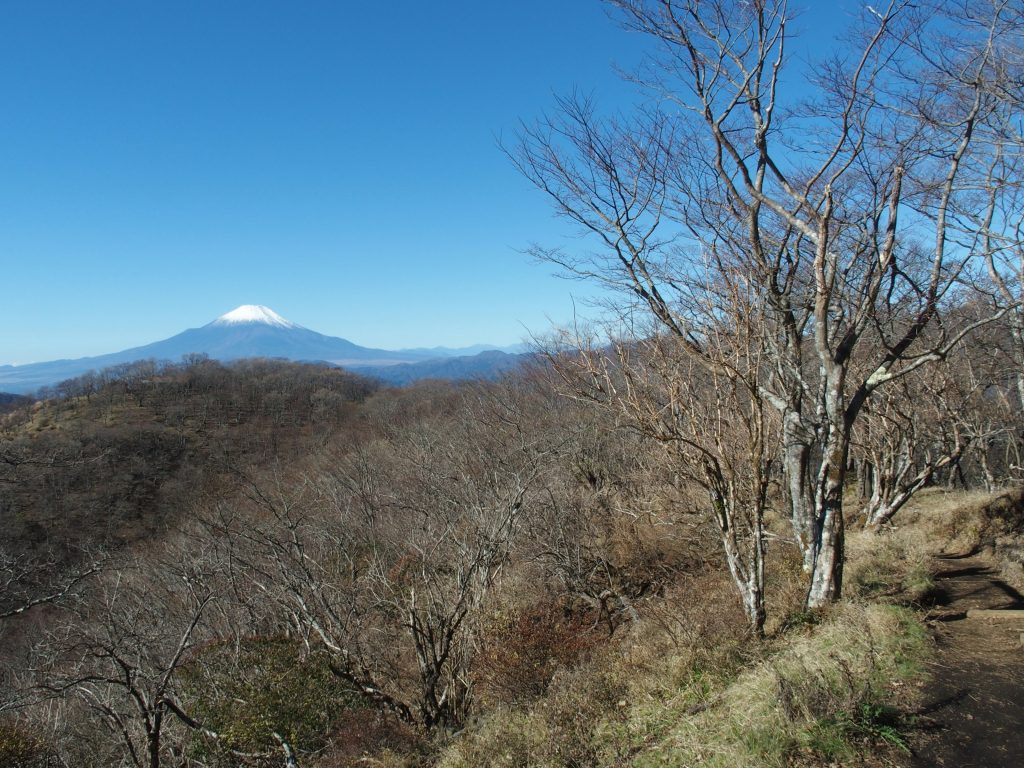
249, 692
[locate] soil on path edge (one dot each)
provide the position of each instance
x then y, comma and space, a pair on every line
973, 711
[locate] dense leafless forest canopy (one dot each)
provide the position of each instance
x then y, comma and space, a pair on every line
815, 317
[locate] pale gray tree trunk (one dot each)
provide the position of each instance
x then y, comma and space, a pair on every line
828, 549
796, 457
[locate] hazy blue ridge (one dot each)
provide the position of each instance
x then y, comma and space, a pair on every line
233, 340
485, 365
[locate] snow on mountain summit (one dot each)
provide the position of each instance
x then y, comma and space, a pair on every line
254, 331
254, 313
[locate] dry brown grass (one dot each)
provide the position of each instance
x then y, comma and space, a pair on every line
685, 647
687, 686
958, 524
717, 704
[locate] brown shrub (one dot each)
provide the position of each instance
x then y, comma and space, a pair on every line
523, 650
359, 733
21, 748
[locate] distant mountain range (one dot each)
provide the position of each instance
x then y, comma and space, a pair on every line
485, 365
257, 331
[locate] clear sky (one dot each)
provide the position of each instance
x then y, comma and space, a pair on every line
337, 161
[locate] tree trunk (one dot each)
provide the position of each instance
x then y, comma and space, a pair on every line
746, 560
795, 464
1016, 321
829, 541
827, 569
153, 741
865, 479
749, 579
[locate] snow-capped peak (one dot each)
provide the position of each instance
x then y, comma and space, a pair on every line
254, 313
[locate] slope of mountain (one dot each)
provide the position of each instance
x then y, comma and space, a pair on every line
437, 352
248, 331
485, 365
10, 401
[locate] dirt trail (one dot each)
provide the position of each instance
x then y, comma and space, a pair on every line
973, 713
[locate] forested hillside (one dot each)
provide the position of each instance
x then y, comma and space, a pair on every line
124, 455
700, 530
231, 565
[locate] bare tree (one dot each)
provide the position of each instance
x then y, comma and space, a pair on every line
994, 214
26, 584
835, 205
911, 432
388, 562
119, 665
702, 401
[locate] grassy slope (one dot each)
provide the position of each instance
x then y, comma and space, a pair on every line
820, 691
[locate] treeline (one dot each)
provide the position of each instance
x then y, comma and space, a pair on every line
795, 255
123, 454
9, 402
220, 393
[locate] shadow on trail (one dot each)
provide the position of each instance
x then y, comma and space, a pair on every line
975, 581
939, 705
974, 702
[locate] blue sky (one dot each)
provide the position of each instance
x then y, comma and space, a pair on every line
164, 162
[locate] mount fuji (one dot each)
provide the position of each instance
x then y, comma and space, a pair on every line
248, 331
